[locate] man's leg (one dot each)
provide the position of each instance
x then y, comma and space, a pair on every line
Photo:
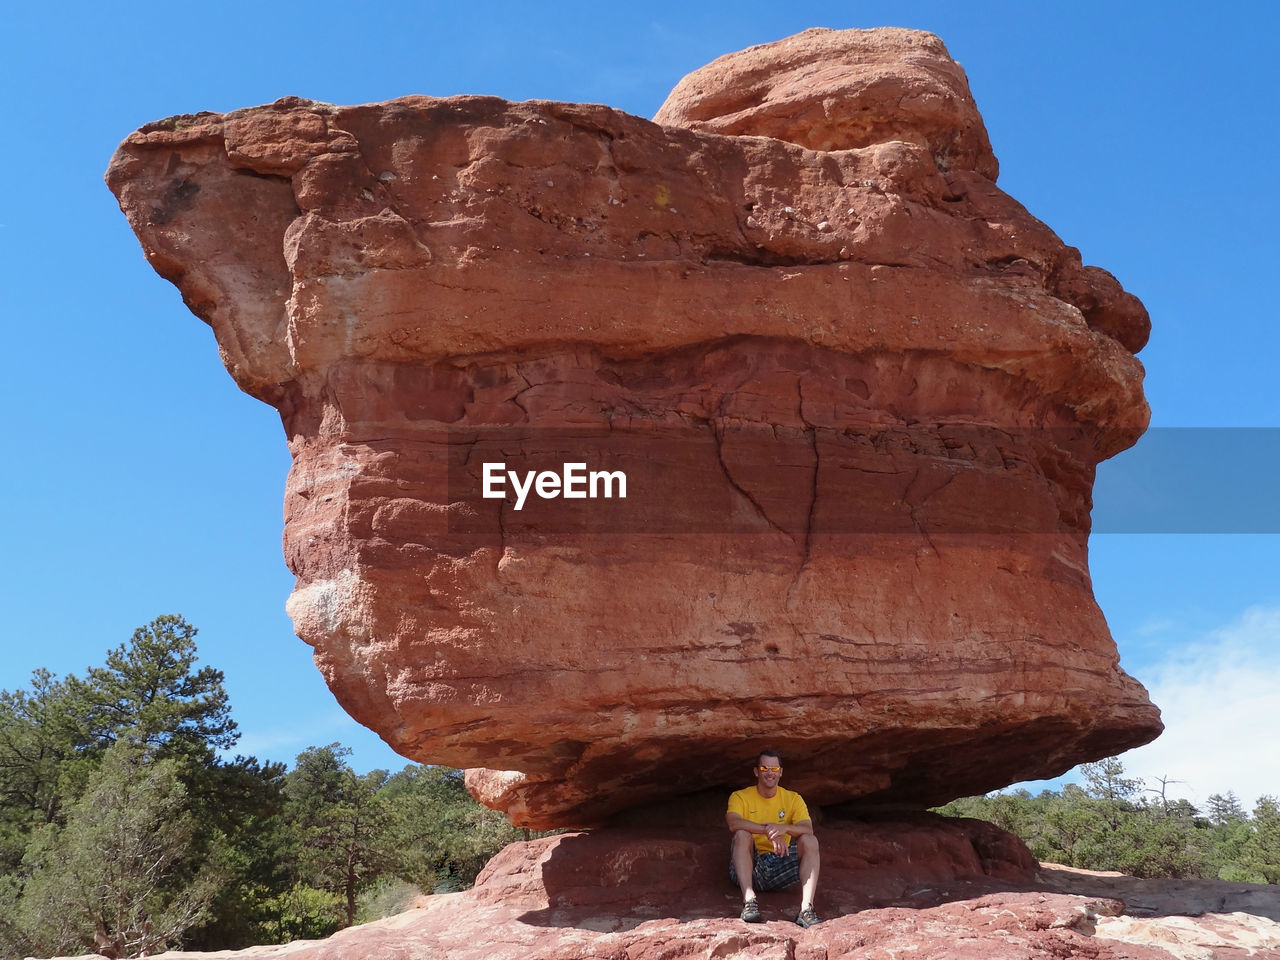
809, 864
744, 862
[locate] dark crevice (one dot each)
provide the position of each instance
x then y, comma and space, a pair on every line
761, 258
249, 172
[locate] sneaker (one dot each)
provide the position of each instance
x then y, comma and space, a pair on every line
751, 912
807, 918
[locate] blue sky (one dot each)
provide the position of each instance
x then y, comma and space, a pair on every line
140, 481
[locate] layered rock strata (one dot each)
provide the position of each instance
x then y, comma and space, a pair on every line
856, 392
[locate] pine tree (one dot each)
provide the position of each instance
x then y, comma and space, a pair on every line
1224, 810
439, 838
151, 690
339, 823
39, 729
1262, 850
120, 878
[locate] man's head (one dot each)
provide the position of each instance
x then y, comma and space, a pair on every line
768, 771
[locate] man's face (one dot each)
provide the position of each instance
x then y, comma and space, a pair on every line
768, 771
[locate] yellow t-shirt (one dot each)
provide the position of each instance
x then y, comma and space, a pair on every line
784, 807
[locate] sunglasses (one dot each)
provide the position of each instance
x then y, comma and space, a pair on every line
764, 769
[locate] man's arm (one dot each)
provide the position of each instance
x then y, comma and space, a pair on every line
776, 832
737, 821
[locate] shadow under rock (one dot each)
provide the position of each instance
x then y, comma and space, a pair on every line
616, 878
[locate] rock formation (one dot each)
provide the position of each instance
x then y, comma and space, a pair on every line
856, 392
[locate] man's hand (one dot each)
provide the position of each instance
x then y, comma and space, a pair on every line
777, 835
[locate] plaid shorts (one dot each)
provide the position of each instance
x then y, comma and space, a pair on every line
770, 871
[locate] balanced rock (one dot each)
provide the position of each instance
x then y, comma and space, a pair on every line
621, 449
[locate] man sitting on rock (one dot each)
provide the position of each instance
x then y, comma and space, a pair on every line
763, 819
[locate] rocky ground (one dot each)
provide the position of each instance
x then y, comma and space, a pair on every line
920, 887
1186, 918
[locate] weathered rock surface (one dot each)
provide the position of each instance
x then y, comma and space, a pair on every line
1165, 897
1191, 919
858, 394
839, 89
920, 887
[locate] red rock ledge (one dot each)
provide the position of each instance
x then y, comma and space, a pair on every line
918, 887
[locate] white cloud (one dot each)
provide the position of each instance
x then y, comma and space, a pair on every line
1220, 700
1155, 626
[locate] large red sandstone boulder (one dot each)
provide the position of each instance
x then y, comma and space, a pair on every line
857, 393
